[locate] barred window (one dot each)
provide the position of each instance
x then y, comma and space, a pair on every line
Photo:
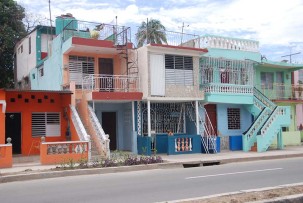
233, 117
178, 70
46, 124
79, 66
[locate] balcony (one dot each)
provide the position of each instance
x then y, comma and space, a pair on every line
278, 91
112, 87
111, 83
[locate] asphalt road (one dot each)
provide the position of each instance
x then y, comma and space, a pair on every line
156, 185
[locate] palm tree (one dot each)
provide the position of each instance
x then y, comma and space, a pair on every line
151, 32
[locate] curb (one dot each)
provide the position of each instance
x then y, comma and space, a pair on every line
89, 171
22, 176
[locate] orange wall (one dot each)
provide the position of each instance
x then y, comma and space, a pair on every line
60, 158
6, 159
2, 119
60, 101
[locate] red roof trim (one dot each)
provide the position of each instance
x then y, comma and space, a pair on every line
95, 42
134, 96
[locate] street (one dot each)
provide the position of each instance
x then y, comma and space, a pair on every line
156, 185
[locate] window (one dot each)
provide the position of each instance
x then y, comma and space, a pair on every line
233, 117
267, 80
178, 70
41, 71
29, 45
79, 66
46, 124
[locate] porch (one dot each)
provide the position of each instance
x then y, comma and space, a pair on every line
281, 91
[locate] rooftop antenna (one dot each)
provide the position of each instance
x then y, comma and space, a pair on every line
182, 32
50, 18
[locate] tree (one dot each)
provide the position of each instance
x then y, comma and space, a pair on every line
11, 31
151, 32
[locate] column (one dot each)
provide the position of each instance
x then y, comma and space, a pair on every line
197, 117
148, 119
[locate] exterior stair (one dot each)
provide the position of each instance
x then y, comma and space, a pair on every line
269, 121
208, 135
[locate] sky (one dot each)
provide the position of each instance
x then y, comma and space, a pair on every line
276, 24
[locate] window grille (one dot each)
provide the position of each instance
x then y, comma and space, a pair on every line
164, 116
46, 124
233, 117
79, 66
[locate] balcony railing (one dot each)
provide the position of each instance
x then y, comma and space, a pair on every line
120, 35
227, 88
179, 39
278, 91
111, 83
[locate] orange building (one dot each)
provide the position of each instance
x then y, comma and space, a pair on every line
28, 115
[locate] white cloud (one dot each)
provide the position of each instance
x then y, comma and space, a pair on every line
272, 22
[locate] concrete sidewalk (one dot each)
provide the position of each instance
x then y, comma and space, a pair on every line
34, 170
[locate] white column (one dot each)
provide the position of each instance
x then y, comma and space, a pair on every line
134, 133
148, 119
133, 115
197, 117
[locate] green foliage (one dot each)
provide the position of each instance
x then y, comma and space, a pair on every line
151, 32
11, 31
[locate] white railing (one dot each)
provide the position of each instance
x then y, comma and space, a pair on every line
213, 41
281, 91
79, 125
267, 102
111, 83
207, 131
71, 147
279, 111
258, 103
228, 88
102, 137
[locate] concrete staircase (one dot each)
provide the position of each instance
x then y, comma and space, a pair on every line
269, 121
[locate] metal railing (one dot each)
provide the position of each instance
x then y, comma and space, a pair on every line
102, 137
120, 35
111, 83
178, 39
280, 91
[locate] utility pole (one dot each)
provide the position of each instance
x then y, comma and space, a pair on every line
182, 32
147, 37
50, 18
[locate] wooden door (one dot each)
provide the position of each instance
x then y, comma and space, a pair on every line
211, 110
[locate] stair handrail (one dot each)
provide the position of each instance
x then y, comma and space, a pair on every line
254, 127
104, 138
279, 110
267, 102
79, 125
260, 105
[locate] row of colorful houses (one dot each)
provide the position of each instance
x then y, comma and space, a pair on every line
212, 92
